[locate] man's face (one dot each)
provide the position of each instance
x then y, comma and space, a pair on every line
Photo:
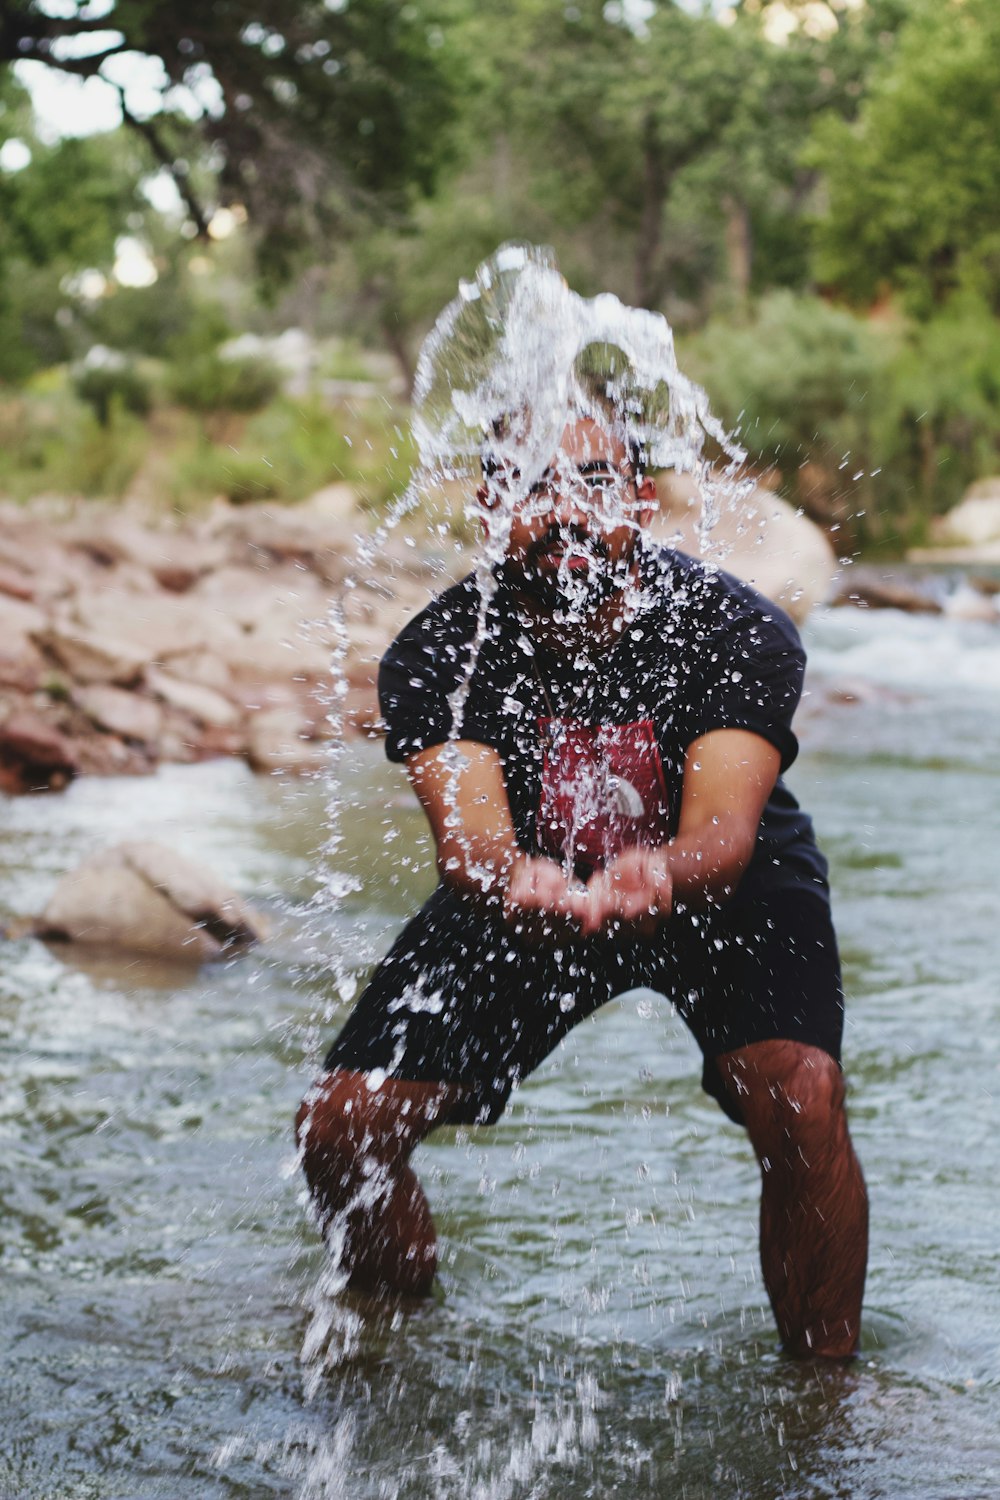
571, 538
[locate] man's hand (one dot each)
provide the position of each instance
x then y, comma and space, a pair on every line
634, 891
539, 904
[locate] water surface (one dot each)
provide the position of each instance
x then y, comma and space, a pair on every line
600, 1325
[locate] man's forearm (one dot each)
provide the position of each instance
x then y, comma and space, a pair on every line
707, 867
476, 866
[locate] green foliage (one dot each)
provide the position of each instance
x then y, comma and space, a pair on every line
53, 443
911, 187
113, 383
210, 382
945, 402
331, 111
285, 453
873, 426
799, 381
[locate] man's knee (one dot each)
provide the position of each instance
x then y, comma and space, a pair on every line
785, 1090
345, 1119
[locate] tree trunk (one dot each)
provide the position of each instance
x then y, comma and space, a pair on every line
654, 197
739, 247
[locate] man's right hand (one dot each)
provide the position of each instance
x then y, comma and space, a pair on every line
539, 904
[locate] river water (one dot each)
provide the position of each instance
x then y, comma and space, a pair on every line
600, 1326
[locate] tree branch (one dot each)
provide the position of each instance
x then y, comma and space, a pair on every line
151, 136
82, 67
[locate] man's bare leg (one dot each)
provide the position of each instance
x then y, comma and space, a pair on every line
356, 1143
814, 1206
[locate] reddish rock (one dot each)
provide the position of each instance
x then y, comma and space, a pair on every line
203, 704
147, 898
279, 739
34, 756
91, 657
126, 714
16, 583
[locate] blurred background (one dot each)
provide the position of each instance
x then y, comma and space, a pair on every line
220, 224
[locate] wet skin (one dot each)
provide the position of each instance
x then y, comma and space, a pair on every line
356, 1141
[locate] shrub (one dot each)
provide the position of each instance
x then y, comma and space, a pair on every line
107, 379
284, 453
208, 382
53, 443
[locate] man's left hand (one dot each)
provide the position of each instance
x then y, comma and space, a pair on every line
635, 891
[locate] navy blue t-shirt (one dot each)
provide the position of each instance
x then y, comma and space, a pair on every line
704, 651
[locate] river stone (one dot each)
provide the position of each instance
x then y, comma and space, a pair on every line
15, 583
975, 521
125, 714
278, 741
33, 754
18, 617
143, 897
762, 540
161, 624
90, 657
202, 703
176, 559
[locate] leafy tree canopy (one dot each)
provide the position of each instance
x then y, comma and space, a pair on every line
315, 109
913, 203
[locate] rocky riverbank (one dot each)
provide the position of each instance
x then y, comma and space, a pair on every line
126, 641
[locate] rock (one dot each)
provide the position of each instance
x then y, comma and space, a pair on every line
292, 535
202, 703
176, 559
763, 540
159, 624
871, 588
263, 654
34, 756
335, 505
971, 604
147, 898
18, 617
203, 668
16, 583
22, 665
125, 714
237, 593
976, 518
279, 741
90, 657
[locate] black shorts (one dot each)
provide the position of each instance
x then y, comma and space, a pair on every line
459, 999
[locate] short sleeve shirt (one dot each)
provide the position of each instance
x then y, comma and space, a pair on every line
702, 652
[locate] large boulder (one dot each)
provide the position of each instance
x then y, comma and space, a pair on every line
761, 539
976, 519
141, 897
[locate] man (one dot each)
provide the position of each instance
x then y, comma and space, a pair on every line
599, 766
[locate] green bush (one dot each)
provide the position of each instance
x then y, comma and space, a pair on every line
285, 453
53, 443
874, 426
945, 402
209, 383
112, 381
799, 383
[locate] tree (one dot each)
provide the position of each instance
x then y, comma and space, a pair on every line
316, 112
61, 212
911, 186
